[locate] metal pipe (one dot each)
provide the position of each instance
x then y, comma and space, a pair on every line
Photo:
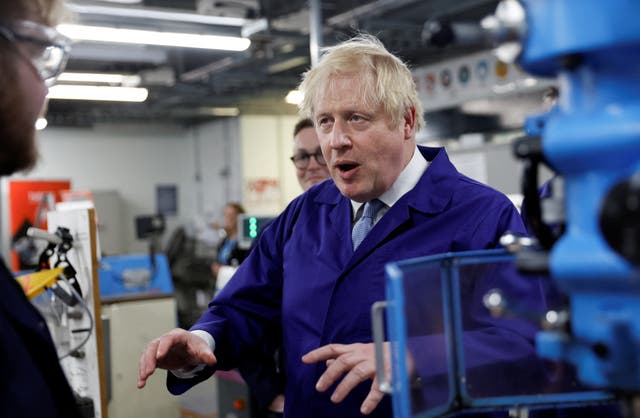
315, 31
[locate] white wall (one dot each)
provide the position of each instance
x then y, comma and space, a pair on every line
210, 164
130, 159
267, 144
218, 161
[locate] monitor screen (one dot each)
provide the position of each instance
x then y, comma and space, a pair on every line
250, 227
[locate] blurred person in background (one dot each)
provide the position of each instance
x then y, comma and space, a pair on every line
228, 254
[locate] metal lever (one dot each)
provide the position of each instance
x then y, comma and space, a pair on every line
44, 235
377, 326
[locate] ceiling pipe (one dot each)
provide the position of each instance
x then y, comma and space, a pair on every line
315, 31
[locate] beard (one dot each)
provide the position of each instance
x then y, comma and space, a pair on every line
18, 150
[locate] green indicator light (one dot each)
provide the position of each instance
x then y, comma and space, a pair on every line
253, 227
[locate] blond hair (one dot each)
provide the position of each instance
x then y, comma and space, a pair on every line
387, 81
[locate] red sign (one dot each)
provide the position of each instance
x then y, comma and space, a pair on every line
29, 201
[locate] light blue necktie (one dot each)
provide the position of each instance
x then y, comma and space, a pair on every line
365, 223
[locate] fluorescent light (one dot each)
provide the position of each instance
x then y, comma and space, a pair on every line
124, 1
294, 97
98, 93
156, 14
146, 37
223, 111
41, 123
129, 80
108, 53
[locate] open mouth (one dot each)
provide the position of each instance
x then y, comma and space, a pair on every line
345, 168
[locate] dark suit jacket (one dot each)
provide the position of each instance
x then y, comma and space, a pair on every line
32, 383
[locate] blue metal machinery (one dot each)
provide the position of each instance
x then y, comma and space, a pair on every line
592, 140
432, 321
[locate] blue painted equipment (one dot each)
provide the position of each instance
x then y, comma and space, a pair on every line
133, 276
593, 141
467, 382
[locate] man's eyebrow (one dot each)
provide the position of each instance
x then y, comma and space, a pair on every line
308, 150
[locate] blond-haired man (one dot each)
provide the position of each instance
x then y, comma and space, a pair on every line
317, 269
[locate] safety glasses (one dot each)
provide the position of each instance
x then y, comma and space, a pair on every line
46, 48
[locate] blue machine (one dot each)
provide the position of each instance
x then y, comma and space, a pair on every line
466, 382
591, 140
134, 276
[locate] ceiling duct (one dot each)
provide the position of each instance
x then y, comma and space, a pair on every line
247, 9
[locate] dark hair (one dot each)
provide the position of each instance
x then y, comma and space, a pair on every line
302, 123
236, 206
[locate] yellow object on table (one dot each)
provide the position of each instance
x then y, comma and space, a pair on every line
35, 283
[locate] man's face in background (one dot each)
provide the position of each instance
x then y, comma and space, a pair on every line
306, 142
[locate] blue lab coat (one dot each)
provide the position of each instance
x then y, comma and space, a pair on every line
305, 284
32, 383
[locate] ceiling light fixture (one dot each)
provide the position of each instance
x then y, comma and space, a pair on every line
123, 1
146, 37
156, 14
98, 93
41, 123
223, 111
294, 97
129, 80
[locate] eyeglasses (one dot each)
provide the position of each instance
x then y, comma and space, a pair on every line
47, 49
302, 160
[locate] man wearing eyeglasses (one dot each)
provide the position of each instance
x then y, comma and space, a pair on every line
32, 383
264, 376
311, 168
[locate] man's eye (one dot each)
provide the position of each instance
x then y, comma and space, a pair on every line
357, 118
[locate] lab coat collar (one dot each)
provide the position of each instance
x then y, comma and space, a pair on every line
430, 196
435, 185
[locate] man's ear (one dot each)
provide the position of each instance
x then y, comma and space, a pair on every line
409, 123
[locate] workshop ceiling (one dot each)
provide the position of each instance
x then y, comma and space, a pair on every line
189, 85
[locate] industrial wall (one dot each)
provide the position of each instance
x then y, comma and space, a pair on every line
209, 165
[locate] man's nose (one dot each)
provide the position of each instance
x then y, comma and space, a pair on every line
339, 135
313, 162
